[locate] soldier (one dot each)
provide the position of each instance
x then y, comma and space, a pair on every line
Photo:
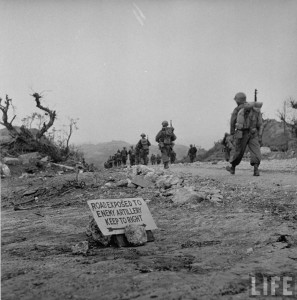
165, 138
192, 153
137, 155
143, 146
158, 159
114, 159
172, 157
132, 156
248, 133
119, 158
153, 159
124, 154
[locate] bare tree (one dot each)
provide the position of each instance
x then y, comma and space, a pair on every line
72, 126
5, 109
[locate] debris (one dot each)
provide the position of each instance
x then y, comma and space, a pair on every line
140, 181
136, 234
63, 166
249, 250
5, 171
122, 183
184, 195
29, 157
80, 248
11, 161
95, 235
30, 192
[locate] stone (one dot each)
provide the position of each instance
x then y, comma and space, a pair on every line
5, 171
45, 159
122, 183
140, 181
80, 248
95, 235
184, 195
110, 185
136, 234
29, 157
131, 185
141, 170
13, 161
151, 176
249, 250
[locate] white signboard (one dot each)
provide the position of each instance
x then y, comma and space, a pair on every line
113, 215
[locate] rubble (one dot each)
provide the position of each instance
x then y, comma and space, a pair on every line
29, 157
95, 235
11, 161
5, 171
80, 248
184, 195
136, 234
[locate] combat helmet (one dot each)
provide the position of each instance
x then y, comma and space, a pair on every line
240, 97
142, 135
164, 123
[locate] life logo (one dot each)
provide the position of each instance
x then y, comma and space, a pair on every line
278, 286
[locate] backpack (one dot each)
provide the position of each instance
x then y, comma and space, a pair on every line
167, 134
243, 110
144, 144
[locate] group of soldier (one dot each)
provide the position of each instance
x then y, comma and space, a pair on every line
139, 155
246, 129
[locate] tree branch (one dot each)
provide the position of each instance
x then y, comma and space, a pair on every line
51, 113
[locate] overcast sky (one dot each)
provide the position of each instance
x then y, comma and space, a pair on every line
122, 67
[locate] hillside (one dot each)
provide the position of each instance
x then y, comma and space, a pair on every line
99, 153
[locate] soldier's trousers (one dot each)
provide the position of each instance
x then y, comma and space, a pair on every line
132, 160
166, 153
192, 157
144, 157
252, 142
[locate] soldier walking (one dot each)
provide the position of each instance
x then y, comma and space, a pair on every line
246, 126
192, 153
172, 157
165, 138
158, 159
153, 159
132, 156
143, 146
124, 154
119, 158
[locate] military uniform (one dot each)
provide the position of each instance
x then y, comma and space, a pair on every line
158, 159
124, 155
192, 153
165, 138
132, 156
143, 146
250, 135
153, 159
172, 157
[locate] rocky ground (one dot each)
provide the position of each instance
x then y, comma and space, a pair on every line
214, 231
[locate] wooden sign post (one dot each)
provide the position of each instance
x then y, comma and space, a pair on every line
113, 215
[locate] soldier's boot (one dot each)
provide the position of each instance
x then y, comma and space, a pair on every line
231, 169
256, 170
166, 165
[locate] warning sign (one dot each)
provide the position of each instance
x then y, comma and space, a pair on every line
113, 215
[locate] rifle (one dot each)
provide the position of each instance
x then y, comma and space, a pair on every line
256, 91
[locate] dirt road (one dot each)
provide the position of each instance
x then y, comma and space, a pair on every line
201, 250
